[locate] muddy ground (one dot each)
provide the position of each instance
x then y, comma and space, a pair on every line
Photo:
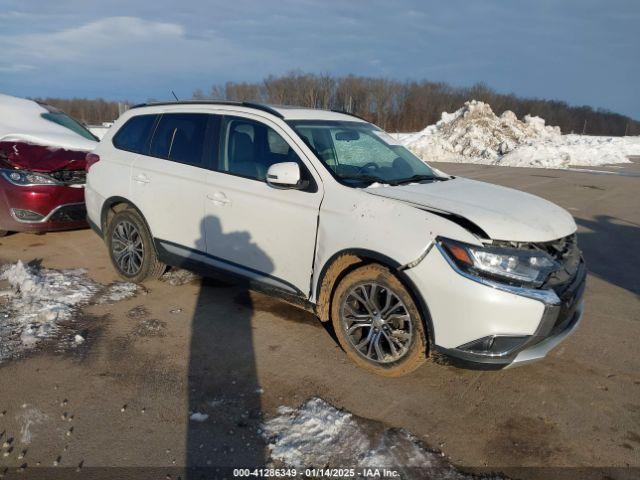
125, 396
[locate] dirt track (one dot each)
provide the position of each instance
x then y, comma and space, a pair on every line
238, 355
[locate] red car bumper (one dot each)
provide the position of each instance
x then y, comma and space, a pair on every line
58, 207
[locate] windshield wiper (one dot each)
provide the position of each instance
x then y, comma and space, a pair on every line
415, 178
364, 178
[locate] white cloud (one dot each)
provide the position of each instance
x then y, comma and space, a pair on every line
123, 48
89, 40
16, 68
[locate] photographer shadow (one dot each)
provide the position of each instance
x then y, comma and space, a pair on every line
224, 417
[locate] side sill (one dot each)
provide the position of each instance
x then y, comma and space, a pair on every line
211, 267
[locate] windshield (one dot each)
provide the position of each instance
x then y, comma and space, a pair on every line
68, 122
359, 154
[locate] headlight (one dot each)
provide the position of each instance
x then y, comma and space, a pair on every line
23, 177
517, 266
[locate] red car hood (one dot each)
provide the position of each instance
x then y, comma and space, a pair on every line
40, 158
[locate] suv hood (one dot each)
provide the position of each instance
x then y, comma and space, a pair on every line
503, 213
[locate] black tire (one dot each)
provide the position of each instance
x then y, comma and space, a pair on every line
144, 263
400, 332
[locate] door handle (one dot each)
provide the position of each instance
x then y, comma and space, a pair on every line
219, 199
141, 178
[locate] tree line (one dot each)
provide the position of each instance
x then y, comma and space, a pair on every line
92, 111
397, 106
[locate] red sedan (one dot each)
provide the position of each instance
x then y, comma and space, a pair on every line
42, 168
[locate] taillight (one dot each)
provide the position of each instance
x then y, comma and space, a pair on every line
91, 159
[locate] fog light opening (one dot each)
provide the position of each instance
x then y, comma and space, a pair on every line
26, 215
494, 345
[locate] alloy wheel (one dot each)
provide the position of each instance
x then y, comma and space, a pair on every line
376, 322
127, 247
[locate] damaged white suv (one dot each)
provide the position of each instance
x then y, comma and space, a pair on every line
329, 212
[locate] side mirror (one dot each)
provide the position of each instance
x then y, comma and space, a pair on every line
284, 175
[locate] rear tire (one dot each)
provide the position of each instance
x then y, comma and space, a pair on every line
131, 247
377, 322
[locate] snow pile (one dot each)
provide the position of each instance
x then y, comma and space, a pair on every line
577, 150
23, 120
317, 435
475, 134
39, 301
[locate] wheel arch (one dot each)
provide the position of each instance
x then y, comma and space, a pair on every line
108, 210
345, 261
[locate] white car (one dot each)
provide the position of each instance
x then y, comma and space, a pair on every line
329, 212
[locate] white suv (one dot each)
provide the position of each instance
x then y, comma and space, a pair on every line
329, 212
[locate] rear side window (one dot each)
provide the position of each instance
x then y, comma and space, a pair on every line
134, 135
181, 137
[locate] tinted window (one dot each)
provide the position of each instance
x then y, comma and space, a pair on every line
252, 147
181, 137
134, 134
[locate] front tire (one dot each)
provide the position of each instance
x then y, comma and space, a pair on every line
131, 248
377, 322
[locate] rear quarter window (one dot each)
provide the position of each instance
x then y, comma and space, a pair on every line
135, 134
182, 138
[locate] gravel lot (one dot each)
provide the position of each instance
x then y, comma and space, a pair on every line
150, 361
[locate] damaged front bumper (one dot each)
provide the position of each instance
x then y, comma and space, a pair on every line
484, 324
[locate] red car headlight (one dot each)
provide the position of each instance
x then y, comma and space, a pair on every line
24, 177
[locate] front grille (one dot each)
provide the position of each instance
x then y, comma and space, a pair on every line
566, 252
570, 295
70, 213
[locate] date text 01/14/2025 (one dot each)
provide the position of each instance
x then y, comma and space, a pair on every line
316, 473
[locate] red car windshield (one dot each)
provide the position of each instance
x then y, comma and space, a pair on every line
61, 118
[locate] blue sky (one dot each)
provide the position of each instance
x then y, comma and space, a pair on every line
583, 52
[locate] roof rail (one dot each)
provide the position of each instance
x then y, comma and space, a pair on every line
256, 106
344, 112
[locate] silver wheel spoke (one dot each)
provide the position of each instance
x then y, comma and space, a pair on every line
373, 299
362, 302
366, 340
353, 314
393, 348
388, 309
358, 325
398, 318
371, 344
376, 345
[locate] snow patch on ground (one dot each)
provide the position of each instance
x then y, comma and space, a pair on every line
475, 134
199, 417
37, 301
29, 417
178, 276
321, 436
117, 292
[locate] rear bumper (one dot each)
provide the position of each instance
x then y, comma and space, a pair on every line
51, 207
